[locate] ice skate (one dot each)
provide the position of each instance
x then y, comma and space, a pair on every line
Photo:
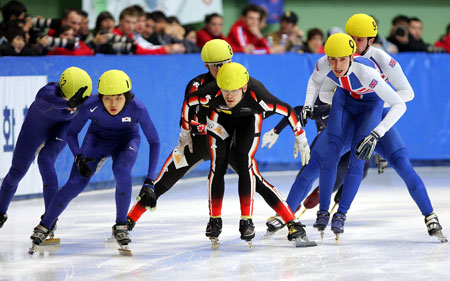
3, 219
274, 224
434, 227
51, 240
38, 236
298, 234
120, 232
130, 224
213, 230
337, 224
321, 221
247, 230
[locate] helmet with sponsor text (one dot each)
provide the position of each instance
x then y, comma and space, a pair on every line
361, 25
114, 82
72, 79
216, 51
232, 76
340, 45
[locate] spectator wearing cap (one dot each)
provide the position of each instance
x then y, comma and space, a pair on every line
212, 29
245, 35
289, 36
314, 41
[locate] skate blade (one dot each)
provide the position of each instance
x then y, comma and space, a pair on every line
214, 243
440, 236
321, 234
51, 242
250, 244
303, 244
125, 251
337, 238
32, 250
268, 235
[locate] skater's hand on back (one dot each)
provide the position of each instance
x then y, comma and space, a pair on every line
307, 112
147, 195
269, 138
82, 165
78, 99
185, 139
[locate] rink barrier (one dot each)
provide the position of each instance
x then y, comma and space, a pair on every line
160, 81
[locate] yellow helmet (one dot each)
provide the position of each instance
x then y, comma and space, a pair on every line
72, 79
232, 76
340, 45
361, 25
216, 50
114, 82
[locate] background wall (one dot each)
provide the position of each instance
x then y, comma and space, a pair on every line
323, 14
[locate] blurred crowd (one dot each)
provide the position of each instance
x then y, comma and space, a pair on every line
140, 32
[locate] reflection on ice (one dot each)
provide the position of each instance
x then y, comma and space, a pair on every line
385, 238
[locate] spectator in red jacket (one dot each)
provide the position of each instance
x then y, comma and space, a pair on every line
444, 42
212, 29
245, 35
67, 33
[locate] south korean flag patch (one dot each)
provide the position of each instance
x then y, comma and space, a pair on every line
126, 119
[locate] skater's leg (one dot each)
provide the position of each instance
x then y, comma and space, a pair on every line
62, 198
219, 151
123, 162
46, 162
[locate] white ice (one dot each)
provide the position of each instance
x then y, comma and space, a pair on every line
385, 238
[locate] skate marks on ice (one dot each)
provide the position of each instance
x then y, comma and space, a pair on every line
385, 238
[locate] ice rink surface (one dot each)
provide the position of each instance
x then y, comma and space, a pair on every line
385, 238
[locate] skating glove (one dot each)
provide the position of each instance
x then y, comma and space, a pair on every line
147, 195
301, 144
307, 112
185, 139
82, 165
269, 138
367, 145
78, 98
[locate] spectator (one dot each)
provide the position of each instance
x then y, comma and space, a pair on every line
84, 26
16, 43
212, 29
245, 35
399, 35
67, 34
382, 43
290, 36
190, 39
127, 22
314, 41
149, 26
72, 18
13, 10
159, 35
444, 41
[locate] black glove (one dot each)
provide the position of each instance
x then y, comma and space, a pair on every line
306, 113
147, 195
82, 165
367, 145
78, 99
